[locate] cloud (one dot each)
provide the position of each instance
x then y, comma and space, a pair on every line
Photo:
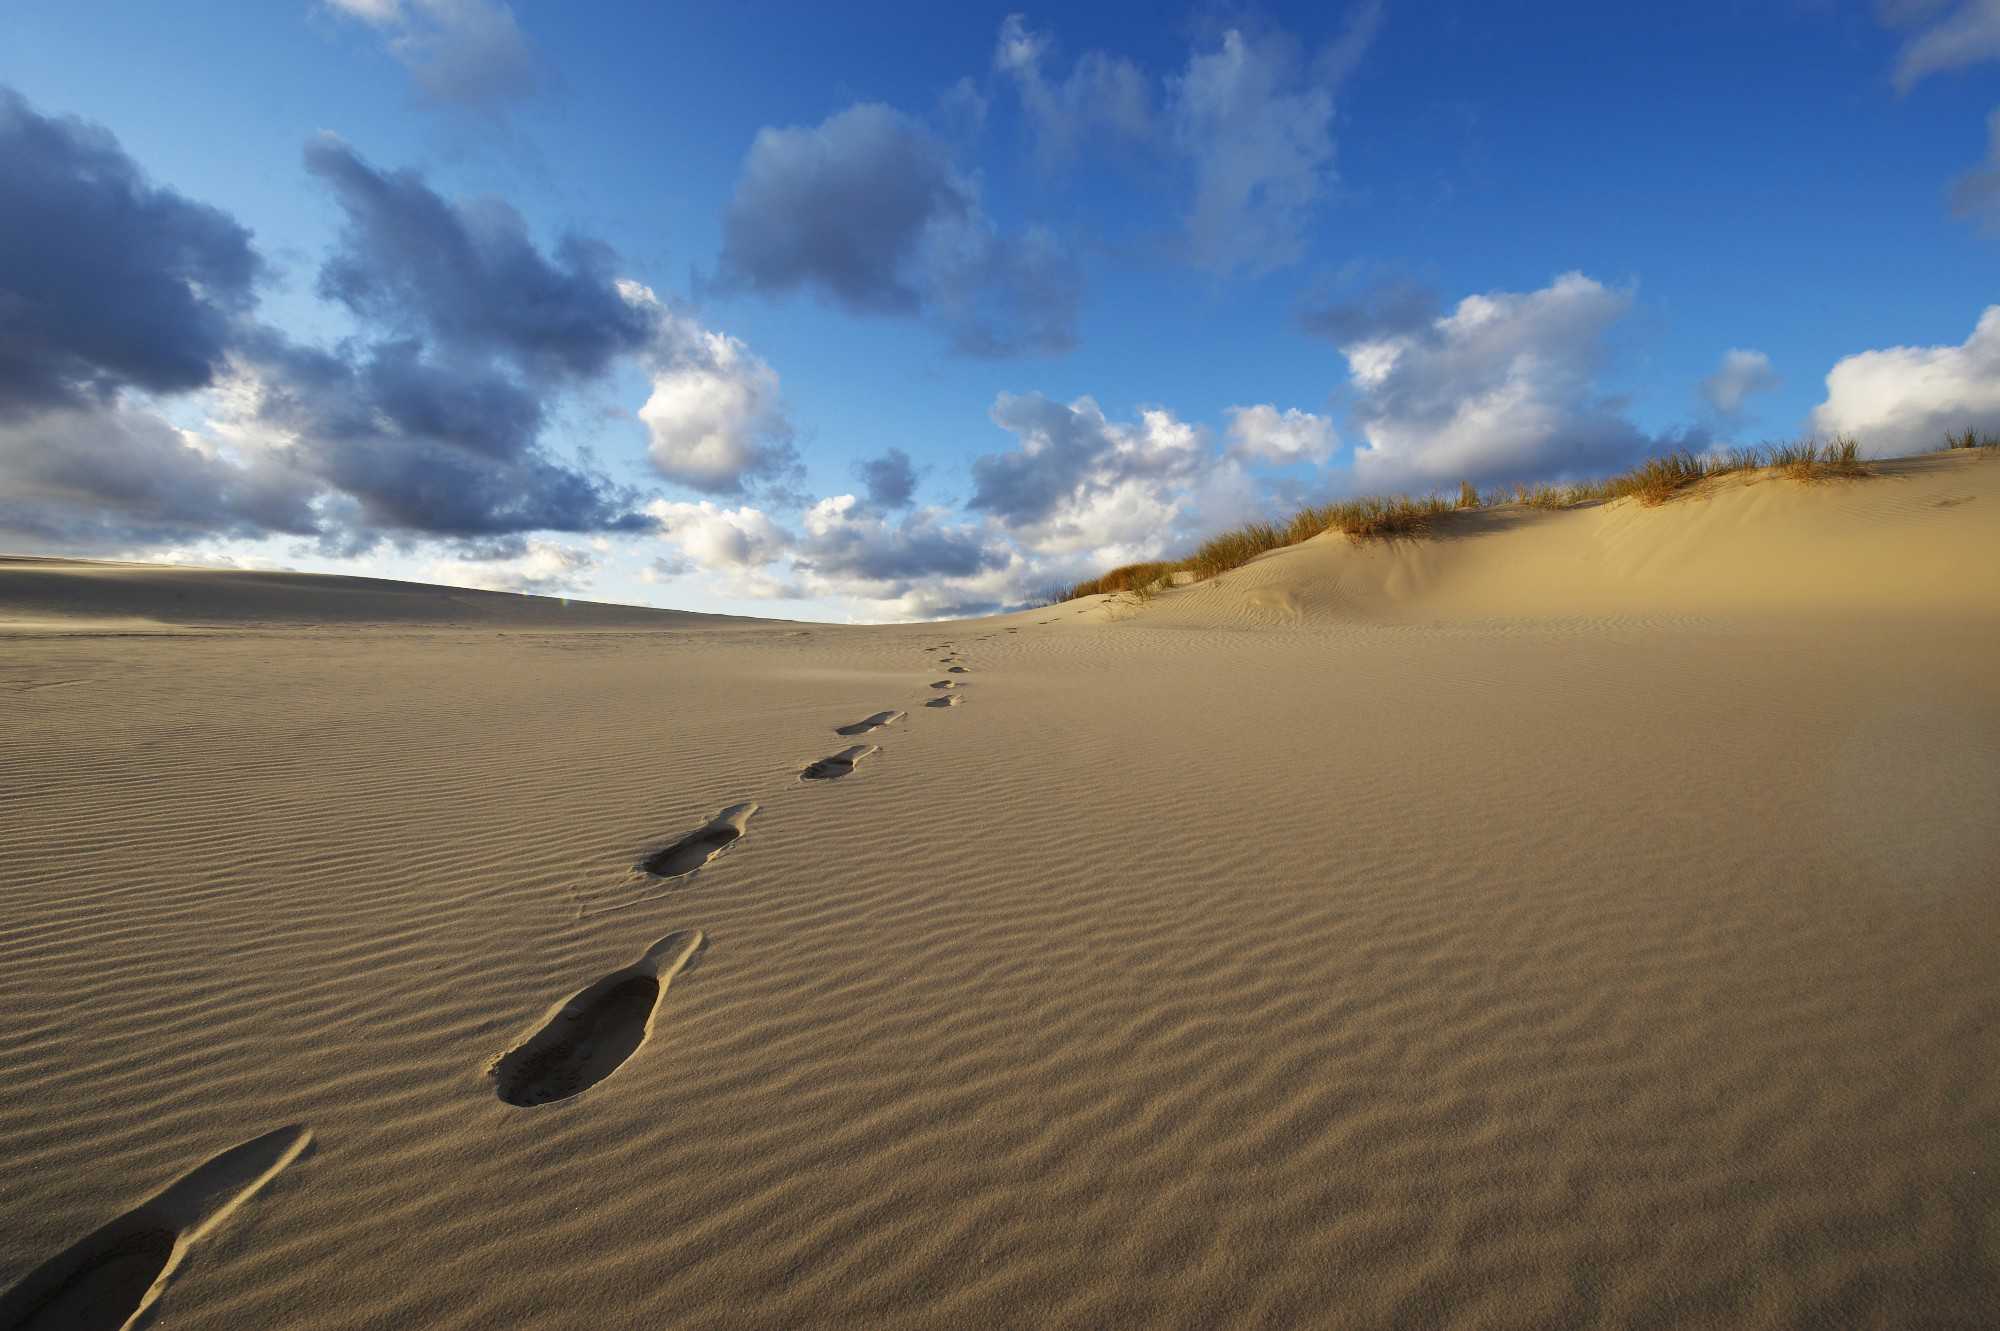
714, 420
318, 410
867, 209
847, 542
106, 281
462, 52
467, 276
1903, 399
1260, 140
1264, 434
535, 567
891, 480
1102, 94
1502, 387
1080, 491
1070, 457
721, 538
1976, 194
90, 478
1249, 123
1741, 373
1389, 307
428, 421
1968, 34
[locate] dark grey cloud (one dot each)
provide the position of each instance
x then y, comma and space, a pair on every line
106, 281
471, 408
467, 276
867, 209
891, 479
428, 422
844, 206
1385, 308
405, 461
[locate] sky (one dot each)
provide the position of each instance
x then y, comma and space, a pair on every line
904, 311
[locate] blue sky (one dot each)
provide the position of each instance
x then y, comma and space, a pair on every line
1105, 282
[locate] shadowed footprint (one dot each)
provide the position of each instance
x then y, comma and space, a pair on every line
868, 723
107, 1280
949, 684
699, 847
949, 700
958, 670
590, 1037
838, 765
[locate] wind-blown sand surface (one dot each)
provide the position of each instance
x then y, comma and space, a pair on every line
1577, 919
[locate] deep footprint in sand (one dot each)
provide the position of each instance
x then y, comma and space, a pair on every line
593, 1034
949, 684
835, 766
699, 847
868, 723
949, 700
109, 1279
958, 670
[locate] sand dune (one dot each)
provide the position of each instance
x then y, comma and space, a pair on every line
56, 593
1577, 919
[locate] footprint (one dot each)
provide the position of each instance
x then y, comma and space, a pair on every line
840, 764
107, 1280
699, 847
948, 700
958, 670
590, 1037
949, 684
868, 723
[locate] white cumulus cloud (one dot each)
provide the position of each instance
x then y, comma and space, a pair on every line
714, 419
1904, 399
1503, 386
1265, 434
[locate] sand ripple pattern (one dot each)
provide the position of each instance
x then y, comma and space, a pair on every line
1183, 981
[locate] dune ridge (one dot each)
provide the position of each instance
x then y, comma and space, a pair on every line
1531, 928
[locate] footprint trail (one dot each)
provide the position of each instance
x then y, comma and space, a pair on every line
868, 723
108, 1280
593, 1034
700, 846
835, 766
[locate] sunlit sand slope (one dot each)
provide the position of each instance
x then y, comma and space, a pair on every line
1584, 920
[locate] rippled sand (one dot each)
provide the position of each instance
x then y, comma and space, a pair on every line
1580, 919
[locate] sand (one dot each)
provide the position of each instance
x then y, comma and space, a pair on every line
1578, 919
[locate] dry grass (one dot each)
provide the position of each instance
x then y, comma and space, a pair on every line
1125, 578
1971, 439
1652, 482
1810, 460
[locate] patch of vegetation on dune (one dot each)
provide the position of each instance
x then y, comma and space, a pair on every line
1653, 482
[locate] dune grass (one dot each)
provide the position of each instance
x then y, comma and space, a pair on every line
1971, 439
1653, 482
